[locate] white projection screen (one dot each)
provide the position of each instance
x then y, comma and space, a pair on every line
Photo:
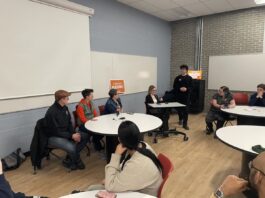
238, 72
42, 49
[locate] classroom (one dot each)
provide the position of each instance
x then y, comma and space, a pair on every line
132, 98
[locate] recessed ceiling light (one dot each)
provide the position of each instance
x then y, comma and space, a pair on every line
260, 1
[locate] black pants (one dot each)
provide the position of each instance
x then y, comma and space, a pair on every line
183, 112
218, 116
95, 138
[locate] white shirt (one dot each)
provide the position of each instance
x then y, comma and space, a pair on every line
154, 99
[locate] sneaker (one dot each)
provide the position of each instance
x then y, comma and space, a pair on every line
70, 165
209, 131
186, 127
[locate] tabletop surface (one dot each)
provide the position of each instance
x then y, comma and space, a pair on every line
242, 137
109, 124
92, 194
166, 105
251, 111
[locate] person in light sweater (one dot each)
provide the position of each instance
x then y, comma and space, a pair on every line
140, 171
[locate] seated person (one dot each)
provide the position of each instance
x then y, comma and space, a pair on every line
6, 191
222, 99
140, 170
152, 98
258, 98
61, 132
233, 185
86, 111
113, 104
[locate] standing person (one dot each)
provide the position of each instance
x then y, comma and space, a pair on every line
258, 98
113, 104
182, 88
222, 99
61, 131
86, 111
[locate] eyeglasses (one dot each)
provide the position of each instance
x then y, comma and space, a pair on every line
250, 165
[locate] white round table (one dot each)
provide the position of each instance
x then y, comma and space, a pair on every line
242, 138
92, 194
248, 115
108, 125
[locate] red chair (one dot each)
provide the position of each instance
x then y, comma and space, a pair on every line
167, 169
101, 109
241, 98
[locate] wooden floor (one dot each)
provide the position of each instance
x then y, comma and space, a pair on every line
200, 165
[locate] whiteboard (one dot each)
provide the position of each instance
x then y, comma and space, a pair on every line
42, 49
238, 72
138, 72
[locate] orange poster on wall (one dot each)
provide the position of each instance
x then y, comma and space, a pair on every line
118, 84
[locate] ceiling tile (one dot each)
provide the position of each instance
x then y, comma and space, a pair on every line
198, 9
218, 5
163, 4
144, 6
185, 2
239, 4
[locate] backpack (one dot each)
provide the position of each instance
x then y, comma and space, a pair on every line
13, 160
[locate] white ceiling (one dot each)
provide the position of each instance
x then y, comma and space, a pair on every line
172, 10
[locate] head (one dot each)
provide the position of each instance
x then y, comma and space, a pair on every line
223, 91
88, 94
152, 90
62, 97
257, 172
261, 88
130, 138
184, 69
129, 135
113, 93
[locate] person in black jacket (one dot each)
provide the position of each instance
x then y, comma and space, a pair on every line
258, 98
61, 132
182, 87
5, 188
152, 98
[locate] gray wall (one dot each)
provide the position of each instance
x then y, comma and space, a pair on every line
114, 28
237, 32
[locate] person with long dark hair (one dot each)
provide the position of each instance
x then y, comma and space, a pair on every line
140, 170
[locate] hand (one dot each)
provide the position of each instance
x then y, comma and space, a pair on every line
233, 185
183, 89
120, 149
260, 94
76, 137
1, 168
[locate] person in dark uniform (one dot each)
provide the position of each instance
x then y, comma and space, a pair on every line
182, 88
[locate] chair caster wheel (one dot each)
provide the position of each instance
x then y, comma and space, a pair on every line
186, 139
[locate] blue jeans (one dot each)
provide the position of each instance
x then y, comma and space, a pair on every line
72, 148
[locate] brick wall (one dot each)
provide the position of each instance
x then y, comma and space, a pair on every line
182, 45
237, 32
